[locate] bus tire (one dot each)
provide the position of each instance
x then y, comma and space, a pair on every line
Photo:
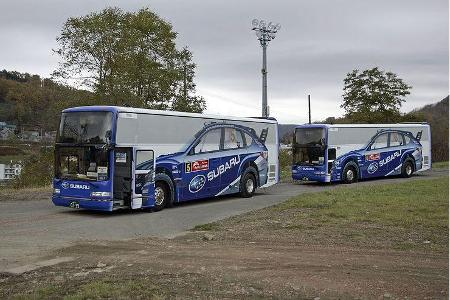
248, 183
164, 192
350, 173
407, 168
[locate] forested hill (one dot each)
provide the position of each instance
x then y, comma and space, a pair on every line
437, 116
29, 100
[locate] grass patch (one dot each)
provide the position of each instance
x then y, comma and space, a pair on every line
206, 227
412, 203
440, 165
117, 290
418, 209
99, 289
9, 192
6, 159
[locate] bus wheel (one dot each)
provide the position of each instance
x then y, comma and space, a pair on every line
161, 195
407, 168
248, 184
350, 174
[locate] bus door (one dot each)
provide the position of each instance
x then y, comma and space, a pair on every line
143, 178
122, 184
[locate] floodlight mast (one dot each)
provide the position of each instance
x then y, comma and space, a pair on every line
265, 33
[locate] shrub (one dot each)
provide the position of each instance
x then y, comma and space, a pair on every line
285, 158
37, 170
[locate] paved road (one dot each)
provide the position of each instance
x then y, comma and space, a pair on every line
29, 229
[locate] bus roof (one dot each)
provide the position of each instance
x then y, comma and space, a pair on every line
118, 109
395, 125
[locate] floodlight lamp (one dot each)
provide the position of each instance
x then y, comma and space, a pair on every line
255, 22
278, 26
262, 24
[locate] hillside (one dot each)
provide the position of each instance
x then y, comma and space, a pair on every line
285, 131
437, 116
32, 101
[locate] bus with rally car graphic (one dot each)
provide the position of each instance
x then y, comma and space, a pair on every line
348, 153
109, 158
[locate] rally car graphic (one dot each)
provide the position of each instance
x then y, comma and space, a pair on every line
388, 152
223, 158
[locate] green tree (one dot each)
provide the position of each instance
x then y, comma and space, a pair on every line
185, 98
373, 96
128, 59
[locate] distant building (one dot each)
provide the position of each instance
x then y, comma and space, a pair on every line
30, 136
6, 130
10, 171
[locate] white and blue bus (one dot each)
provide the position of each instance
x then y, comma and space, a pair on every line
109, 158
348, 153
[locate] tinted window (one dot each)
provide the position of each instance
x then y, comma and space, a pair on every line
309, 136
380, 142
396, 139
144, 160
209, 142
407, 140
85, 163
232, 139
85, 127
248, 139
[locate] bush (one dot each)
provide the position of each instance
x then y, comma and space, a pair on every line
10, 150
37, 170
285, 158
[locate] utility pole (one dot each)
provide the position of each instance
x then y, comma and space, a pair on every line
309, 108
264, 33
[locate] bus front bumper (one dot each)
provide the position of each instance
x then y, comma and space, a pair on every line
86, 203
314, 174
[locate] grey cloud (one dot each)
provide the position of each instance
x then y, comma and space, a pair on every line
319, 42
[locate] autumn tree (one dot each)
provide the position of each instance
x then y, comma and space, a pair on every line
373, 96
128, 59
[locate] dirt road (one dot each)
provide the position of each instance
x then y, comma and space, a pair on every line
29, 229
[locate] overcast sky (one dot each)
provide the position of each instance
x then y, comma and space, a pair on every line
319, 43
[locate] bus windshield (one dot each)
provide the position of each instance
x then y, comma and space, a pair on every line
309, 146
81, 163
85, 127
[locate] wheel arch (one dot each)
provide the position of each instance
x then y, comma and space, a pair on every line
164, 175
353, 160
250, 164
410, 157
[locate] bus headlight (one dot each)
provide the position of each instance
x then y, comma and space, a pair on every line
100, 194
56, 191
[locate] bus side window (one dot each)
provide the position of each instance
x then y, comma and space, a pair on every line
248, 139
380, 142
396, 139
233, 139
144, 159
209, 142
